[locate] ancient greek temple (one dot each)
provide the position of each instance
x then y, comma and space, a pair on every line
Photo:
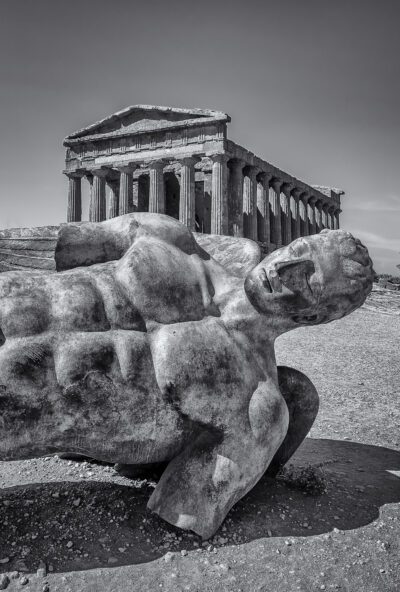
180, 162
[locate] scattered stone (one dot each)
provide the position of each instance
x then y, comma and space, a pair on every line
14, 575
70, 544
4, 581
4, 560
184, 552
168, 557
23, 581
224, 567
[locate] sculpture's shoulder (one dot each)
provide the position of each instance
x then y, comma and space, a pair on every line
238, 256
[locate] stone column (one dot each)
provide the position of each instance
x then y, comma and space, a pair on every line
74, 212
336, 216
312, 215
287, 213
219, 194
157, 188
250, 203
263, 207
126, 188
113, 201
235, 212
325, 215
318, 212
304, 197
331, 217
296, 192
187, 192
276, 212
98, 209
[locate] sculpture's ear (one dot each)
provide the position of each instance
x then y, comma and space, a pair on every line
294, 274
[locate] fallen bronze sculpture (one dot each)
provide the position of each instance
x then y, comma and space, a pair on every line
127, 342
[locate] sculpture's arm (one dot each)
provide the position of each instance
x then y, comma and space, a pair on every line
57, 248
202, 484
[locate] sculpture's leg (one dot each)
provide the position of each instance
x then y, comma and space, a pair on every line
302, 400
201, 484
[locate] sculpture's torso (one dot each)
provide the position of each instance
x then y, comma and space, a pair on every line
127, 394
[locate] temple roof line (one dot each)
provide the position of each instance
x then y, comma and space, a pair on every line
145, 125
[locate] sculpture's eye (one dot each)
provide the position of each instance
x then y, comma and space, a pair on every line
301, 319
295, 274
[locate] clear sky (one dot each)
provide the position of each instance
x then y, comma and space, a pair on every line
312, 86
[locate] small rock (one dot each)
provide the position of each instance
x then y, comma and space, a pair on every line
77, 501
4, 560
4, 581
168, 557
46, 588
14, 575
224, 567
69, 544
41, 572
184, 552
23, 581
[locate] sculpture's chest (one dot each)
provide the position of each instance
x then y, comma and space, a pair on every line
199, 367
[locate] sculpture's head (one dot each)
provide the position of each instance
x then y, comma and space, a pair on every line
315, 279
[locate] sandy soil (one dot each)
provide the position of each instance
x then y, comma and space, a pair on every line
72, 526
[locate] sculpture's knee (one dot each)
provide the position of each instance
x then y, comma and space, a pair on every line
299, 393
268, 415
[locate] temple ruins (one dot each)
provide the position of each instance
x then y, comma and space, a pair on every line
180, 162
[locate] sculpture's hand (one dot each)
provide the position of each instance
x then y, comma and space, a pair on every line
202, 484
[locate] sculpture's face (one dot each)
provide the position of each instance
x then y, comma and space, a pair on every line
314, 279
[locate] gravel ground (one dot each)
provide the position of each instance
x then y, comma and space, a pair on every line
79, 526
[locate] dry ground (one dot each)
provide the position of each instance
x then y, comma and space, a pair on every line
91, 528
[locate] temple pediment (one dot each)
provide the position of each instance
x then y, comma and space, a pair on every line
139, 119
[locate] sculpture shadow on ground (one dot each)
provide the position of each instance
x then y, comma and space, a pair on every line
83, 525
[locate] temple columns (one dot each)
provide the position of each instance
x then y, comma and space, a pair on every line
235, 213
250, 203
304, 197
312, 215
113, 199
98, 201
325, 216
287, 213
74, 212
187, 193
126, 188
276, 212
318, 213
219, 194
157, 189
336, 217
263, 224
296, 213
331, 217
